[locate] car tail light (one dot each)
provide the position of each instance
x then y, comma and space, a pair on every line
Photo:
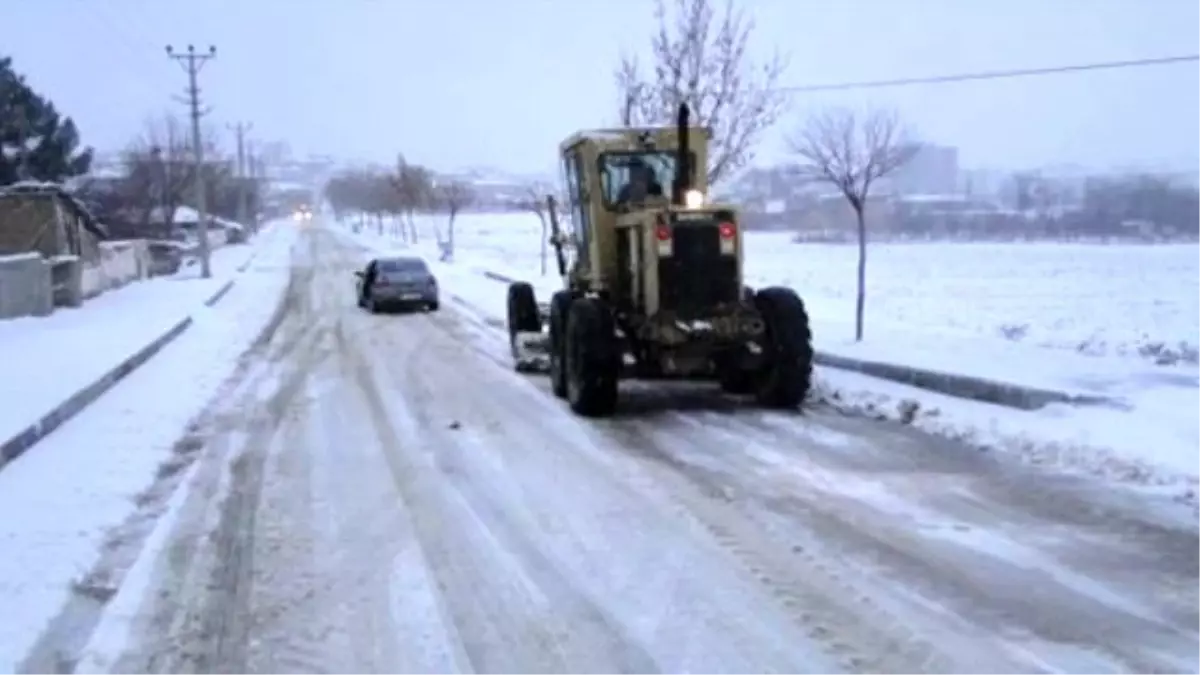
728, 230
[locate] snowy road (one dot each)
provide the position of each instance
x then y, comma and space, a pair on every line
383, 493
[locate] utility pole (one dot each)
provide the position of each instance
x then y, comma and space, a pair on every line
240, 129
253, 161
192, 62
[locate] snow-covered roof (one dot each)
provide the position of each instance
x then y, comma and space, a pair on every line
229, 224
606, 134
186, 214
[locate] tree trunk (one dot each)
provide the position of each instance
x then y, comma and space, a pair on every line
450, 233
412, 227
860, 299
545, 236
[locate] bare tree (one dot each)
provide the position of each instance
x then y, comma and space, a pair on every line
535, 203
159, 168
852, 152
414, 186
453, 196
699, 58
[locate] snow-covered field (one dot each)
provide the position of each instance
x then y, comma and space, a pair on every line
1097, 300
1079, 319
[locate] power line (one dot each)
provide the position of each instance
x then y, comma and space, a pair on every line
990, 75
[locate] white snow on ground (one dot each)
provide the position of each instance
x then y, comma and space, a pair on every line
60, 499
1087, 319
1120, 299
47, 359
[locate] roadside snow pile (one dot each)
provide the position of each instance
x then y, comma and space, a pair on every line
1152, 444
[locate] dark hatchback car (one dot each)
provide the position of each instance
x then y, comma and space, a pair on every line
396, 282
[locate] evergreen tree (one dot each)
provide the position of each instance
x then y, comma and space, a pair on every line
36, 142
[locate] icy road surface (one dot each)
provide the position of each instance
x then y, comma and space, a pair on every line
383, 493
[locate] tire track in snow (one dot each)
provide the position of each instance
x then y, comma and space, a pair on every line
906, 531
859, 536
804, 594
503, 625
216, 628
199, 623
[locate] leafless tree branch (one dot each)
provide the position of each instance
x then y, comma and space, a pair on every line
852, 152
699, 57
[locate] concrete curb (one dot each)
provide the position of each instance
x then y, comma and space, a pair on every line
16, 446
1006, 394
1010, 395
496, 276
216, 297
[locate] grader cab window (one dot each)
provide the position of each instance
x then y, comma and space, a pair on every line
617, 170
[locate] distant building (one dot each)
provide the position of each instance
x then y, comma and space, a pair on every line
933, 170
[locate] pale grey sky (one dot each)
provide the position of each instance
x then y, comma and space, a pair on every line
500, 82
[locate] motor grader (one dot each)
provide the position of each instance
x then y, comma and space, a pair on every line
655, 287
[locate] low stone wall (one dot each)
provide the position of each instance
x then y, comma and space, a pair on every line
25, 286
120, 263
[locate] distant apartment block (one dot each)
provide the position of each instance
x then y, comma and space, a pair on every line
932, 171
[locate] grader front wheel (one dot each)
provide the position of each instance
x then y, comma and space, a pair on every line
523, 317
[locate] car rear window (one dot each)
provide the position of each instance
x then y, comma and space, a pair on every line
402, 266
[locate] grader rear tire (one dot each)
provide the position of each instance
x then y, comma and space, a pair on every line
560, 306
785, 380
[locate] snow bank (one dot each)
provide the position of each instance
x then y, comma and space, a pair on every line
47, 359
59, 501
1151, 444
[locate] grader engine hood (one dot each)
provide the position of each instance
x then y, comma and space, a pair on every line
698, 262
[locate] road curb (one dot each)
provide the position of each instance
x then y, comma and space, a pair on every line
1010, 395
216, 297
496, 276
972, 388
16, 446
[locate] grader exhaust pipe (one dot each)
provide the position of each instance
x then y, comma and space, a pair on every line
683, 169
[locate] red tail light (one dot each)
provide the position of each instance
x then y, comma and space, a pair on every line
728, 230
663, 232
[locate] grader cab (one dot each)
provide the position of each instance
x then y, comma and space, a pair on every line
655, 287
